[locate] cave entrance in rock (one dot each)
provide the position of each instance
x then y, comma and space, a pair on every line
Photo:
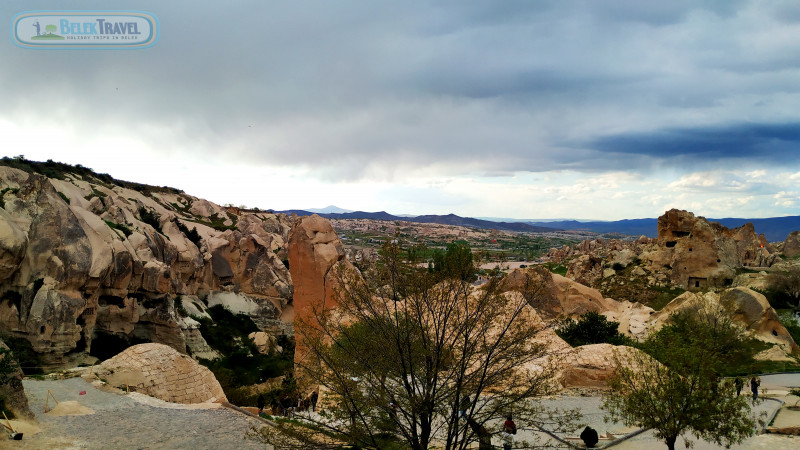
697, 283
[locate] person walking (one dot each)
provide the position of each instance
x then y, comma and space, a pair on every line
739, 383
464, 406
754, 384
509, 430
261, 402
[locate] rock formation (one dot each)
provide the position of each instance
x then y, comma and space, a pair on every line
161, 372
316, 255
700, 253
791, 246
558, 296
690, 252
748, 308
84, 257
12, 392
593, 365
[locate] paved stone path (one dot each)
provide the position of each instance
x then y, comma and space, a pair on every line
121, 422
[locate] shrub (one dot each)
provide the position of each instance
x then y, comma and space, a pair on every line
149, 218
126, 230
241, 363
192, 234
63, 197
591, 328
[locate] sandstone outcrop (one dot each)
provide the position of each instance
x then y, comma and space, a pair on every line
593, 365
690, 252
12, 392
699, 253
161, 372
316, 256
555, 296
748, 308
791, 246
85, 256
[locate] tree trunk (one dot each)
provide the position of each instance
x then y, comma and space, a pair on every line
671, 442
484, 437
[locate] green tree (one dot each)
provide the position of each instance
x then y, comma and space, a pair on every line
51, 29
591, 328
786, 284
677, 389
403, 349
455, 262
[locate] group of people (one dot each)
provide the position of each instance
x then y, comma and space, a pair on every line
755, 382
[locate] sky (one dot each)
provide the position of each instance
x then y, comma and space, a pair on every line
600, 110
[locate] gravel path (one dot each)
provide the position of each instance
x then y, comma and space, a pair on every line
139, 422
121, 422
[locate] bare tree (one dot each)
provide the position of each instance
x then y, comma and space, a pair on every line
407, 349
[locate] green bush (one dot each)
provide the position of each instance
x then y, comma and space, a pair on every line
63, 197
150, 218
591, 328
241, 364
126, 230
791, 325
192, 234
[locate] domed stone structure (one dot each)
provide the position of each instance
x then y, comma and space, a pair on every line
160, 371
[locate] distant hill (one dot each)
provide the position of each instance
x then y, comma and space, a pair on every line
330, 209
774, 228
450, 219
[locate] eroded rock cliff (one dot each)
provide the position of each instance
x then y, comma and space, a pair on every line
87, 261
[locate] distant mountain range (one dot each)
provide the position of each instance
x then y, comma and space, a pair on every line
450, 219
774, 228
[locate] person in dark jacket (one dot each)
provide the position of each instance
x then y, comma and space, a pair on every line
589, 437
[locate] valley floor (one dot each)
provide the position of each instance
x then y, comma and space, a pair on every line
135, 421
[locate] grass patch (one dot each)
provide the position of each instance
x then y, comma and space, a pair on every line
216, 222
124, 228
63, 197
558, 269
636, 289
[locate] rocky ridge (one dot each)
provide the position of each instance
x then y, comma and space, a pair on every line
690, 252
85, 259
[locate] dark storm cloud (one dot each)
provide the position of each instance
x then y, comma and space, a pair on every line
774, 143
350, 89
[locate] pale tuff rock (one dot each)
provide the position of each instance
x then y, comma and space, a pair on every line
265, 342
700, 253
593, 365
161, 372
690, 252
750, 310
791, 246
80, 258
563, 297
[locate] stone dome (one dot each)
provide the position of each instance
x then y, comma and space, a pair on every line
161, 372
